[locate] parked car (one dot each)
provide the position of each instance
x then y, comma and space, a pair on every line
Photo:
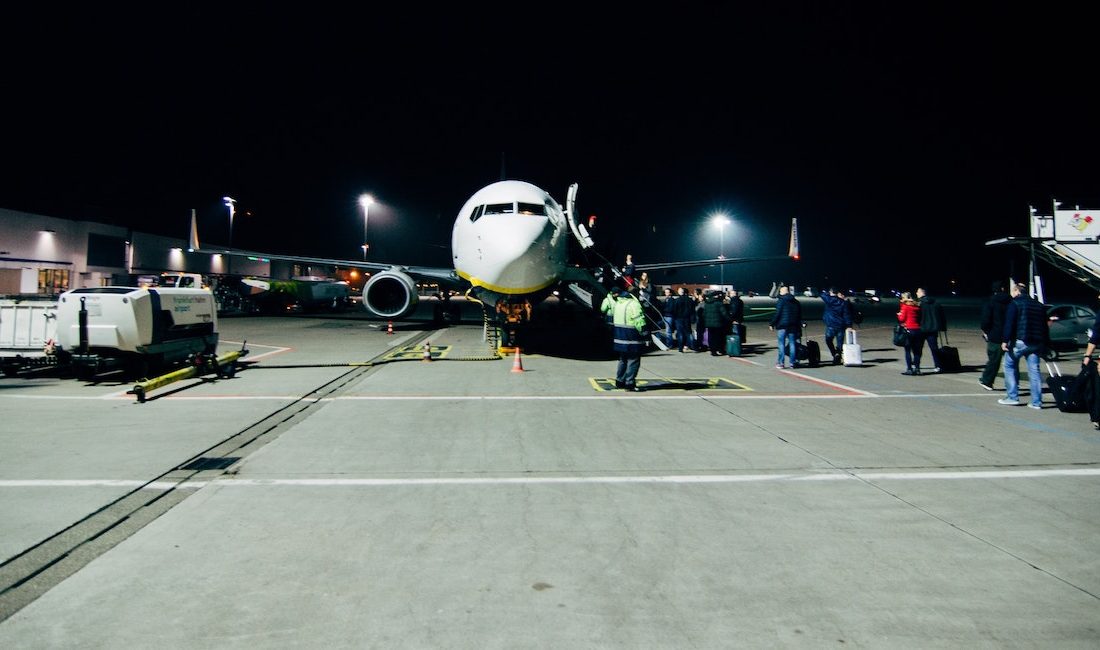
1070, 325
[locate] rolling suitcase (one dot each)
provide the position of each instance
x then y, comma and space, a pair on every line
733, 345
949, 357
1064, 389
810, 352
852, 352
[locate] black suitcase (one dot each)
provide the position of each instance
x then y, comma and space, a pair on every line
1065, 390
810, 352
949, 357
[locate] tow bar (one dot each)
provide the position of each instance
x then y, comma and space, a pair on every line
224, 366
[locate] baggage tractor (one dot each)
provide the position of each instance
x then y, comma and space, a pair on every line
852, 352
949, 357
1064, 388
733, 345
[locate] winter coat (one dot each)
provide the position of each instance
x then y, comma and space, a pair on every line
932, 318
993, 316
788, 313
737, 309
683, 307
715, 312
1026, 320
838, 312
909, 316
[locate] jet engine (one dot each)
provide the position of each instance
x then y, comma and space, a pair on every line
390, 294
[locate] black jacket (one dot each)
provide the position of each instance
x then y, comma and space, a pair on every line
788, 313
932, 318
683, 307
715, 312
993, 316
1026, 320
737, 309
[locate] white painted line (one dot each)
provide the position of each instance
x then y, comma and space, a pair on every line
833, 384
815, 477
709, 395
677, 479
71, 483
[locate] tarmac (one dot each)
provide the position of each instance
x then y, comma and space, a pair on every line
342, 492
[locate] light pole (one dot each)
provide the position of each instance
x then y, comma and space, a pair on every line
230, 203
365, 201
721, 221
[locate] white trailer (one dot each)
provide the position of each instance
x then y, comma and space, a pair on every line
137, 329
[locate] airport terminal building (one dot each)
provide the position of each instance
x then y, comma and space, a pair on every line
41, 255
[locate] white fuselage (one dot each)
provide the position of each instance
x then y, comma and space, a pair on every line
510, 238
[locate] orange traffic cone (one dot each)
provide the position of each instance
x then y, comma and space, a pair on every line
517, 365
427, 352
389, 328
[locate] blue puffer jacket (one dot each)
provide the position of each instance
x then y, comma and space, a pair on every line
788, 313
837, 314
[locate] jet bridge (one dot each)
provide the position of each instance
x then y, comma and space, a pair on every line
1068, 240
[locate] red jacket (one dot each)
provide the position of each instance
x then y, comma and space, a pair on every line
909, 316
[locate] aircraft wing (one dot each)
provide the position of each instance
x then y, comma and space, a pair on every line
792, 253
446, 276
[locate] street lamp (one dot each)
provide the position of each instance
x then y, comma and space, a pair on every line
230, 203
721, 220
365, 201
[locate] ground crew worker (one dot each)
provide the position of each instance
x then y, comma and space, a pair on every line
629, 342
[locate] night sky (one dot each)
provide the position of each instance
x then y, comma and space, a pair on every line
902, 138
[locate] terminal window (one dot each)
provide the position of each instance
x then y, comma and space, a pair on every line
53, 281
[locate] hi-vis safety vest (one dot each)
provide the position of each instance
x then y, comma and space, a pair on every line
629, 325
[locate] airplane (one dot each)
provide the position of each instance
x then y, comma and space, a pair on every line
509, 246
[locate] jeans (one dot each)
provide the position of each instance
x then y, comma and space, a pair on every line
994, 356
667, 336
913, 349
834, 339
933, 339
627, 372
683, 336
1012, 373
785, 341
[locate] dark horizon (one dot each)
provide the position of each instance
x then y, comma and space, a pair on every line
901, 139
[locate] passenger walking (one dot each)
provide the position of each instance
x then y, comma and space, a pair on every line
1025, 335
700, 329
716, 319
644, 290
932, 322
737, 313
628, 270
909, 317
666, 301
683, 307
786, 322
1094, 402
992, 325
629, 327
837, 318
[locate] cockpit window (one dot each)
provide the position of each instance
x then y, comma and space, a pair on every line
532, 209
500, 208
476, 214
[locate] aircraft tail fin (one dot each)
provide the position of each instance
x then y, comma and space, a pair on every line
193, 240
792, 250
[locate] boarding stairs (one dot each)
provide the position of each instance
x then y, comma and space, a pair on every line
1069, 261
